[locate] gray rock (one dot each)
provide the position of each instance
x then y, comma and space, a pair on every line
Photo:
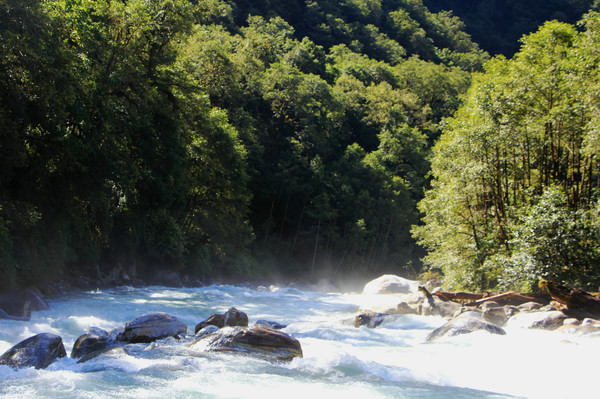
89, 343
465, 323
152, 327
497, 315
38, 351
369, 319
256, 340
272, 324
529, 307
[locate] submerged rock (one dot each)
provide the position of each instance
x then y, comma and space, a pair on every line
465, 323
390, 284
152, 327
38, 351
257, 340
272, 324
369, 319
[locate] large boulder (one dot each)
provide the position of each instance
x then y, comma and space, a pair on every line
231, 318
152, 327
390, 284
465, 323
38, 351
257, 340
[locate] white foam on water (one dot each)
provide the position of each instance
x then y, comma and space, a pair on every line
393, 360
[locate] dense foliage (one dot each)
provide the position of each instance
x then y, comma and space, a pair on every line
516, 173
238, 138
497, 25
218, 137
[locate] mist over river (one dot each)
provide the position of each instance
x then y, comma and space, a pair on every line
340, 361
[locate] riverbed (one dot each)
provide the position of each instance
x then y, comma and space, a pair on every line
340, 361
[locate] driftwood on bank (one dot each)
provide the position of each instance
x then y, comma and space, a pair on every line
507, 298
572, 301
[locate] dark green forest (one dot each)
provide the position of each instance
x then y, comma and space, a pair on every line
319, 138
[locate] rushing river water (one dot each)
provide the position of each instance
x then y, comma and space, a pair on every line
340, 361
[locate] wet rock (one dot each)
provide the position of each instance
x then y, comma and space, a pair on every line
215, 320
272, 324
256, 340
369, 319
234, 318
390, 284
99, 340
231, 318
465, 323
152, 327
540, 320
38, 351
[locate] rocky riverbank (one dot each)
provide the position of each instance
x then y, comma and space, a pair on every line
393, 296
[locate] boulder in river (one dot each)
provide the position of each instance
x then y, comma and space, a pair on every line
390, 284
257, 340
96, 341
38, 351
231, 318
465, 323
152, 327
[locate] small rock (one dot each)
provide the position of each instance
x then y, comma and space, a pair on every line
369, 319
529, 306
465, 323
38, 351
272, 324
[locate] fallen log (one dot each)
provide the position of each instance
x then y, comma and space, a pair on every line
459, 296
512, 298
575, 302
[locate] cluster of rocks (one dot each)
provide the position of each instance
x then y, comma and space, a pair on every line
489, 316
228, 332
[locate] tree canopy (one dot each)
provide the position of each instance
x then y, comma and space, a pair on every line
514, 195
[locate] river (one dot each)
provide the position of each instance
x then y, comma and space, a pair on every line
340, 361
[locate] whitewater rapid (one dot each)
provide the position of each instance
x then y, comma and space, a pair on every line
340, 361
